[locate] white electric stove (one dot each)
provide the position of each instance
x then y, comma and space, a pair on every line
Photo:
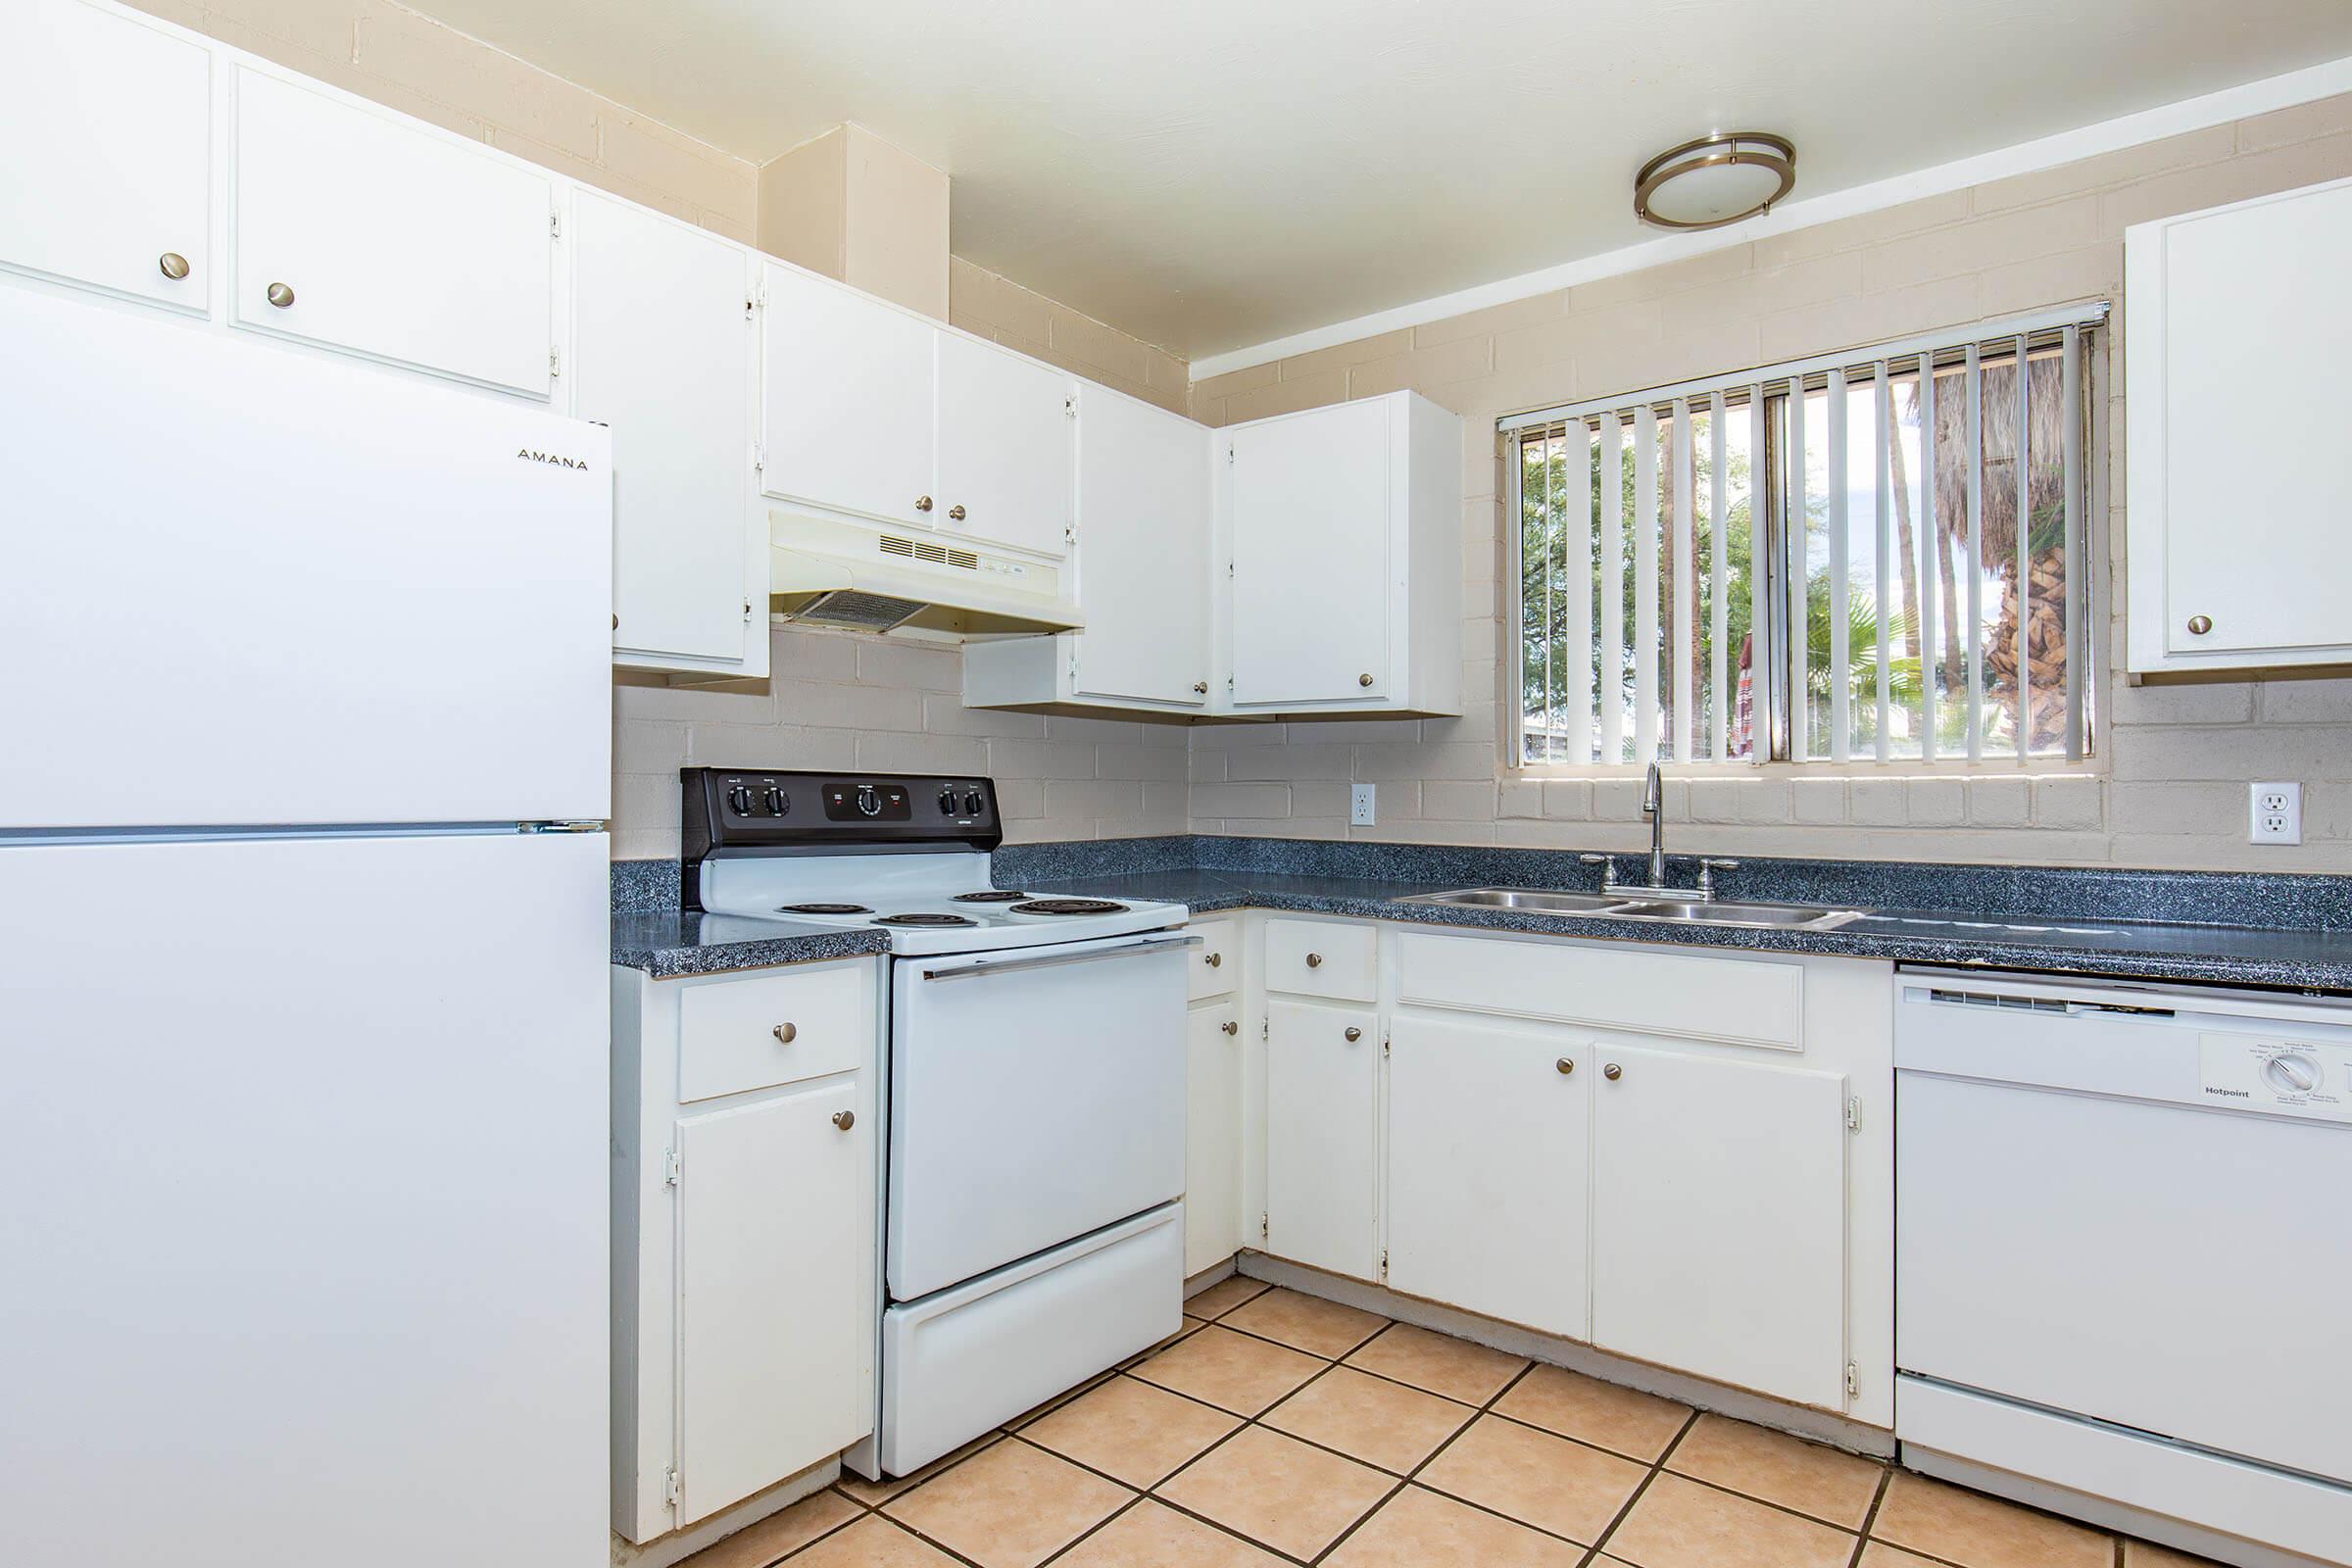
1033, 1233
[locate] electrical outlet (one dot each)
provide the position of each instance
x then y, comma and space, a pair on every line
1359, 806
2275, 813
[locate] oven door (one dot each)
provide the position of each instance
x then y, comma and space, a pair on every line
1034, 1095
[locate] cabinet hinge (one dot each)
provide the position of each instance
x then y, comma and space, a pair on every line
1853, 1381
1383, 1045
555, 361
746, 609
671, 1489
670, 1166
760, 458
1384, 1263
555, 225
1853, 1115
1228, 452
1265, 1028
1069, 407
1265, 1227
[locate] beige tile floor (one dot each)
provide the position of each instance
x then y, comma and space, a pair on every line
1278, 1428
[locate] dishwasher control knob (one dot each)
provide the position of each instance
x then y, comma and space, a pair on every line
2291, 1074
740, 798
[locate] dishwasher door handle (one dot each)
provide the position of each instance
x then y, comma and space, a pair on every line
1054, 960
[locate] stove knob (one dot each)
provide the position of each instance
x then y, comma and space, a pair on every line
740, 798
778, 805
973, 804
946, 803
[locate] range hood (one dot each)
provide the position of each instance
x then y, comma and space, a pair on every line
825, 572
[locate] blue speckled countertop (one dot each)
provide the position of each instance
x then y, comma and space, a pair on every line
2233, 928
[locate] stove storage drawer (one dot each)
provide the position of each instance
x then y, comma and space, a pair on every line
741, 1033
1332, 958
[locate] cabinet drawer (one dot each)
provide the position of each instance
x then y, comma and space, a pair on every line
736, 1035
1745, 1000
1215, 967
1323, 959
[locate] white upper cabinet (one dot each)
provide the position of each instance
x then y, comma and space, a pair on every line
1143, 557
2238, 333
1008, 438
846, 401
108, 178
363, 231
661, 351
1344, 528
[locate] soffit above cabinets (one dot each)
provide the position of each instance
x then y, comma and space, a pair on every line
1213, 176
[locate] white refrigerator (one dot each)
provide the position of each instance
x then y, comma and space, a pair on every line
303, 733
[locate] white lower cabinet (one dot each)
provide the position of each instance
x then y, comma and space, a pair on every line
1487, 1160
1719, 1218
1212, 1135
1322, 1137
744, 1231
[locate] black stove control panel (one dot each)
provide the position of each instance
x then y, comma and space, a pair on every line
786, 811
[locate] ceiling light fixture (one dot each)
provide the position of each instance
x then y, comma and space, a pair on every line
1715, 180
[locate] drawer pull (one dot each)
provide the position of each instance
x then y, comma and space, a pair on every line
1314, 961
1565, 1064
172, 265
1213, 959
845, 1120
1355, 1034
1613, 1072
922, 503
1230, 1027
786, 1033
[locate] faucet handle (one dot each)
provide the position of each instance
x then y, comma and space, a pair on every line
1708, 866
1608, 865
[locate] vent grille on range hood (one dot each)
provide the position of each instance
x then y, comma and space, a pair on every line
829, 573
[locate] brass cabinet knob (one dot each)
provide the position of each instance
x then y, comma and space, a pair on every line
1565, 1066
175, 265
1215, 961
956, 512
1355, 1034
1199, 688
1365, 679
1613, 1072
1314, 961
786, 1033
280, 295
1230, 1027
845, 1120
922, 503
2199, 625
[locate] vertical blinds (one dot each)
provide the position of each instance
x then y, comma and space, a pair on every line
1877, 556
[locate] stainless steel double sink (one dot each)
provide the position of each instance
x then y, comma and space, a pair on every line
1638, 906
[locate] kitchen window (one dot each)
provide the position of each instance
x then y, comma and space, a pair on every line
1879, 555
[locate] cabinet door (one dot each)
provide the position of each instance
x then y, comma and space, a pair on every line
1719, 1220
846, 404
389, 239
775, 1308
1311, 557
1142, 553
2254, 337
108, 124
1007, 447
1212, 1137
1487, 1153
1321, 1130
661, 351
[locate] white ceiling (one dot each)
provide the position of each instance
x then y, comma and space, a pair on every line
1213, 174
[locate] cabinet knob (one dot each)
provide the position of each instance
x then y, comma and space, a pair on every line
2199, 625
845, 1120
1565, 1064
1314, 961
175, 265
1613, 1072
280, 295
1230, 1027
1199, 688
922, 503
786, 1033
956, 512
1355, 1034
1215, 961
1365, 679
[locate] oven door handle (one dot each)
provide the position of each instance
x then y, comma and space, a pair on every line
1052, 960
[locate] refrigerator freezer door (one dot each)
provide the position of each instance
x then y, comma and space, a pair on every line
306, 1202
247, 584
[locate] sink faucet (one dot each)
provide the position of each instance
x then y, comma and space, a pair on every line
1653, 807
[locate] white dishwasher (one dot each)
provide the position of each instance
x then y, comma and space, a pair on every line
2124, 1247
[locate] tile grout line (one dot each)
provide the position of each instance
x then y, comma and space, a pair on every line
1657, 1468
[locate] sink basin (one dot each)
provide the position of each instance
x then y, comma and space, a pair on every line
1626, 907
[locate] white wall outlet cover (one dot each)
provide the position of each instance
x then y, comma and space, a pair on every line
2274, 813
1359, 806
